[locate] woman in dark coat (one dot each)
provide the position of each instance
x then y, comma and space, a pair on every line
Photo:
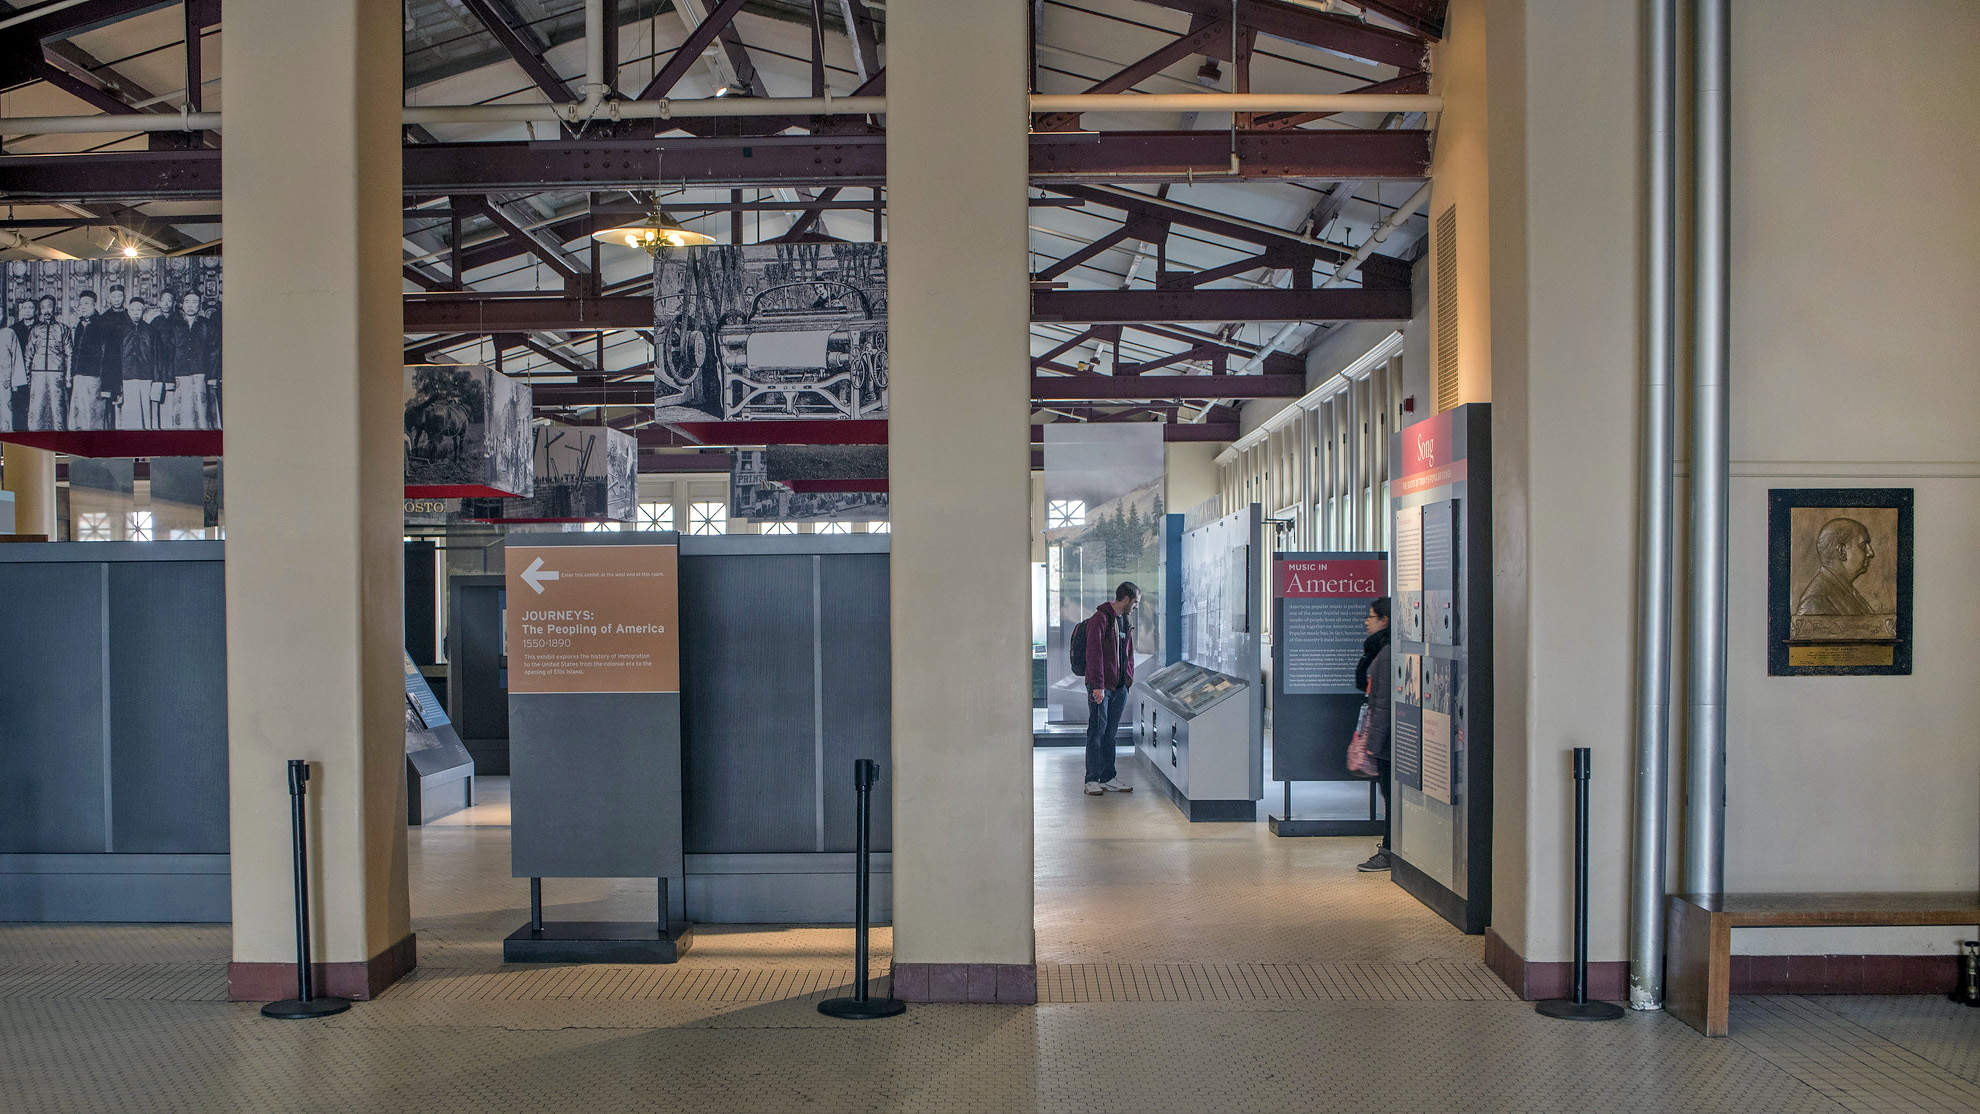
1372, 677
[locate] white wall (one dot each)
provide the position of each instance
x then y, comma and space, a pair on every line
1853, 353
1854, 327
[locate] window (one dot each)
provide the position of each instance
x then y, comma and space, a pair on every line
708, 518
140, 524
780, 527
1060, 513
178, 535
879, 527
835, 528
656, 516
602, 527
93, 526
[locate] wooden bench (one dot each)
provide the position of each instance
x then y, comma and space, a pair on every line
1698, 971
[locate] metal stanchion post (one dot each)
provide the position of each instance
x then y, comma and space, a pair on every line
305, 1003
861, 1007
1579, 1008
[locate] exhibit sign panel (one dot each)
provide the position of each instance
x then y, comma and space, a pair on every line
1440, 682
1322, 599
467, 432
1320, 603
770, 331
112, 357
592, 626
596, 618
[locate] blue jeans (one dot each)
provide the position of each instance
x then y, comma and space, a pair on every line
1103, 720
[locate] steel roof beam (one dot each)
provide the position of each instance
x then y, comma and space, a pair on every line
1061, 159
1075, 388
508, 28
1093, 307
1301, 24
689, 52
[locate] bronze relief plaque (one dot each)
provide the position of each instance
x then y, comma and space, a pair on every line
1839, 581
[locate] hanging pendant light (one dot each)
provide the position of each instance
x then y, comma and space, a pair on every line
656, 232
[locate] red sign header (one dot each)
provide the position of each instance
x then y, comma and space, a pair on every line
1360, 579
1429, 457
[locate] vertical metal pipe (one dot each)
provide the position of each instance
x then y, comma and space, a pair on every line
1655, 515
1705, 784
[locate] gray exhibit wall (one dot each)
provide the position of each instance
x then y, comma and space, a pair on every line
477, 679
785, 679
113, 732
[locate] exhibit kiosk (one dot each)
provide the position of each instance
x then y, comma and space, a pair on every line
1199, 724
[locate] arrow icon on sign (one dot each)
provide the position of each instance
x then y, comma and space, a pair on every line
535, 575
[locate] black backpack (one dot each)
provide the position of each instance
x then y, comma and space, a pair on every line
1076, 649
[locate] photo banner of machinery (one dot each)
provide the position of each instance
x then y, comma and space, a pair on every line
582, 475
467, 431
811, 483
770, 331
112, 357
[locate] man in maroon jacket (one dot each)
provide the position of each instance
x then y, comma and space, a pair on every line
1109, 675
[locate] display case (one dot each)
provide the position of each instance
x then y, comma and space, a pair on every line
1192, 689
1192, 725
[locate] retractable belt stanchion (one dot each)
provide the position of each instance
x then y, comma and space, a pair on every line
305, 1003
860, 1007
1579, 1008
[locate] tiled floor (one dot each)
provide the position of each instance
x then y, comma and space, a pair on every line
1182, 967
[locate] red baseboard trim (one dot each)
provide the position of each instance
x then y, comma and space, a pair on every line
357, 980
1751, 974
1003, 984
1535, 982
1844, 974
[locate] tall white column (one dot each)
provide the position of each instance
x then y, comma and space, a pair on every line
958, 317
312, 344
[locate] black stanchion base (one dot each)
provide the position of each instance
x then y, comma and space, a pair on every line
295, 1009
1567, 1009
852, 1009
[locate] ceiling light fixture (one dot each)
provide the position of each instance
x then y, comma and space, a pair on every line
658, 231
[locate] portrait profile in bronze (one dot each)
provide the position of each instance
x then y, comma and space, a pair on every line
1839, 572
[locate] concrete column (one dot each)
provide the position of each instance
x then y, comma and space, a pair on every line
960, 450
31, 477
314, 483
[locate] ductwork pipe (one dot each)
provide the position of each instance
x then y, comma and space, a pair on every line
14, 241
1650, 839
1705, 782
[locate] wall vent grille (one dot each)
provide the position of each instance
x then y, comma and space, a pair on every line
1447, 310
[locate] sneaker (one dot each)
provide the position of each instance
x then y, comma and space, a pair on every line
1093, 789
1377, 862
1116, 786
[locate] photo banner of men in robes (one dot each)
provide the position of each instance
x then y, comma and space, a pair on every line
467, 432
770, 331
110, 345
